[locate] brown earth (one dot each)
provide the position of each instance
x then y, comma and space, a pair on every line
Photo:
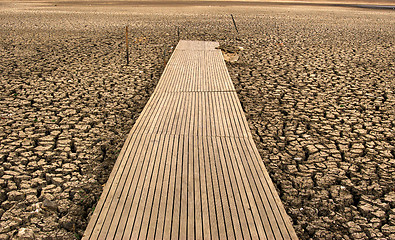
221, 3
316, 84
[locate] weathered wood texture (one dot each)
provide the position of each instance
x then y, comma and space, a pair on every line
189, 168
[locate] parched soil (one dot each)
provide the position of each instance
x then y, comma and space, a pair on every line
316, 84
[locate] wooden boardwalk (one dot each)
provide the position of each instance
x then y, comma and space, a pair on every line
189, 168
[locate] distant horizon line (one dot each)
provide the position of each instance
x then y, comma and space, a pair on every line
358, 4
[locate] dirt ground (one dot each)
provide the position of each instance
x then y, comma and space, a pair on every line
316, 84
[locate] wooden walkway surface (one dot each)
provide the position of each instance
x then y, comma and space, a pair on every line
189, 168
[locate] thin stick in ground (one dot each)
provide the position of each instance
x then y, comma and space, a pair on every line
127, 45
234, 23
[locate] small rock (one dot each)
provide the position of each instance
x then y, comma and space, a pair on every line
58, 181
390, 198
4, 236
9, 225
7, 204
379, 214
48, 204
43, 148
25, 234
15, 196
359, 235
353, 227
311, 149
230, 53
67, 223
231, 57
3, 196
366, 209
47, 196
31, 198
388, 230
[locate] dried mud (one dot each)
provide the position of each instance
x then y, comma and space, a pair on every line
316, 84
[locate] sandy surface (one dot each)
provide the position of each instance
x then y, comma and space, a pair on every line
188, 3
316, 84
78, 2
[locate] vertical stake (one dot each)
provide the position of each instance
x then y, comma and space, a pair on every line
164, 55
178, 34
127, 45
234, 23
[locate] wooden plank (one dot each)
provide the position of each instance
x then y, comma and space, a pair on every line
240, 224
168, 215
284, 220
191, 191
242, 121
189, 168
159, 193
183, 219
263, 209
246, 221
231, 213
126, 194
151, 188
112, 196
168, 113
212, 210
198, 220
176, 214
119, 213
156, 228
138, 193
115, 207
109, 189
232, 115
256, 226
219, 210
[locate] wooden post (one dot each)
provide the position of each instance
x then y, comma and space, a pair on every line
164, 56
234, 23
178, 34
127, 45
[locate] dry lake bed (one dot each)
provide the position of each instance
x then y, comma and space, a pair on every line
316, 84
